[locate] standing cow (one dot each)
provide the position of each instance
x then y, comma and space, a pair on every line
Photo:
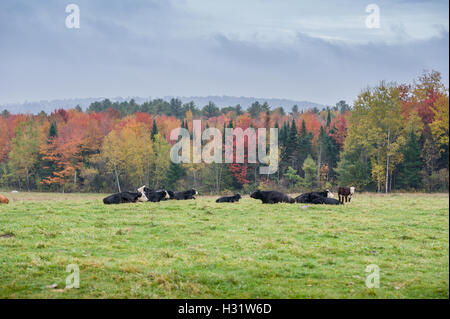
345, 193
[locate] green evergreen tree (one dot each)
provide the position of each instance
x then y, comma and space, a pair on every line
310, 169
174, 173
328, 117
305, 147
408, 172
46, 167
154, 130
354, 169
291, 145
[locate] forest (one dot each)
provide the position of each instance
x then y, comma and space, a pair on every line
394, 137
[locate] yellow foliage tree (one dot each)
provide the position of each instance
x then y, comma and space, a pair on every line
439, 127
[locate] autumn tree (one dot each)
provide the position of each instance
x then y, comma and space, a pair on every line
25, 149
376, 125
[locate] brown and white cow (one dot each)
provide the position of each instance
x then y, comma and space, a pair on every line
345, 193
3, 200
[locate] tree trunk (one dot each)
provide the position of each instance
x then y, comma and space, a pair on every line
378, 178
28, 180
117, 178
319, 159
195, 179
387, 159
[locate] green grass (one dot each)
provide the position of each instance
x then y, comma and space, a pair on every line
200, 249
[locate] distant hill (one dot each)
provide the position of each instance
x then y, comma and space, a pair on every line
221, 101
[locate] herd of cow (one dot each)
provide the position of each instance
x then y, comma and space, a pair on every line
144, 194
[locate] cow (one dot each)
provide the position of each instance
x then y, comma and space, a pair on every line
345, 193
156, 195
188, 194
316, 198
3, 200
123, 197
272, 197
143, 190
307, 197
229, 199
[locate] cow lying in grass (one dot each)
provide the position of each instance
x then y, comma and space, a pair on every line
315, 198
3, 200
120, 198
307, 197
229, 199
188, 194
150, 195
272, 197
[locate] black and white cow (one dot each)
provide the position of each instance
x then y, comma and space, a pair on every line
229, 199
123, 197
188, 194
272, 197
143, 190
157, 196
150, 195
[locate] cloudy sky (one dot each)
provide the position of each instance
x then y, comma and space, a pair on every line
319, 51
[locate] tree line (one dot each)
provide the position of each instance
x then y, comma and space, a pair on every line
393, 137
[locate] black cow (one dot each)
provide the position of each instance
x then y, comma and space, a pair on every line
229, 199
156, 196
308, 197
272, 197
316, 198
188, 194
124, 197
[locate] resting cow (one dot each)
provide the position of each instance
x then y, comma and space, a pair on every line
345, 193
156, 196
188, 194
3, 200
316, 198
229, 199
308, 197
120, 198
272, 197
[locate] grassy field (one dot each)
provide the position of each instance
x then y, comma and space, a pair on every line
200, 249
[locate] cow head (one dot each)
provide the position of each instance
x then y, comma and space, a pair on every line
256, 195
195, 192
141, 189
352, 190
329, 194
142, 194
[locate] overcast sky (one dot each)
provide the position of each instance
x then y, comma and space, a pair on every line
319, 51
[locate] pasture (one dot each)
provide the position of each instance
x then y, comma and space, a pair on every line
202, 249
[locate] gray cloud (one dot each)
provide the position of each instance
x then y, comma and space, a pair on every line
151, 48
